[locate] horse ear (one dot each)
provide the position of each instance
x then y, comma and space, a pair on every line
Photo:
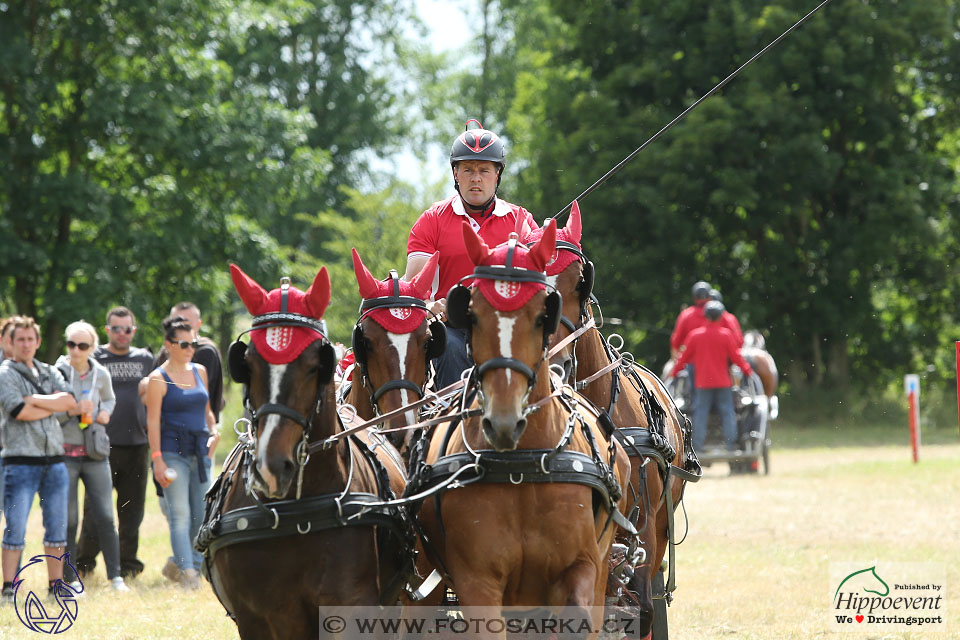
477, 249
253, 296
423, 281
318, 295
542, 251
574, 227
367, 284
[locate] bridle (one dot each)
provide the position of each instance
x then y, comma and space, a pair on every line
436, 342
240, 372
458, 313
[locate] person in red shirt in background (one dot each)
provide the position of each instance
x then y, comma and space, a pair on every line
712, 348
477, 162
728, 319
690, 318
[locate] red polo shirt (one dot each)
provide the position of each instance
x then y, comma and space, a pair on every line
711, 349
439, 229
692, 318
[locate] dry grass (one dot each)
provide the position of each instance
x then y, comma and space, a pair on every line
756, 563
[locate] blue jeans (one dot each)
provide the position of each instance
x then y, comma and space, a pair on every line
98, 506
21, 483
184, 498
454, 361
703, 401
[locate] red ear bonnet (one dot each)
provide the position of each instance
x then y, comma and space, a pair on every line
509, 295
396, 319
571, 233
282, 345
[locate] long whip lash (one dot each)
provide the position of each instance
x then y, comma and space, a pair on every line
680, 117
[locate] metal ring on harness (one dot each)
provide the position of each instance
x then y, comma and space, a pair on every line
276, 518
520, 481
543, 463
610, 340
300, 531
350, 409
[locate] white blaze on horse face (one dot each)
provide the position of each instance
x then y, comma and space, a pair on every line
401, 342
505, 328
277, 372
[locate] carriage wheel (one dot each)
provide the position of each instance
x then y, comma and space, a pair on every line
660, 631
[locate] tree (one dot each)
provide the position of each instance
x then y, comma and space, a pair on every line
809, 190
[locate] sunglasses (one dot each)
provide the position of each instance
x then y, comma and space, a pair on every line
183, 344
119, 329
83, 346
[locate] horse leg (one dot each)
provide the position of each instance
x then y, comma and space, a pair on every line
585, 583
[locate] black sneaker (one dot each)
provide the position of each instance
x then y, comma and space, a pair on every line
6, 597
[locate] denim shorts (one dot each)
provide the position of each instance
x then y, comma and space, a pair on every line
21, 483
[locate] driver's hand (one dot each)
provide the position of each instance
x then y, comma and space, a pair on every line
437, 307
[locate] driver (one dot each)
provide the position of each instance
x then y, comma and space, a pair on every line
477, 162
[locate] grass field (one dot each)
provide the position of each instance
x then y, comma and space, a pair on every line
755, 565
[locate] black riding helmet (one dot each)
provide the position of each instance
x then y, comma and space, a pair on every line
478, 144
716, 295
713, 310
701, 290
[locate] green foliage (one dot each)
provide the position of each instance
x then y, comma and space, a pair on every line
812, 191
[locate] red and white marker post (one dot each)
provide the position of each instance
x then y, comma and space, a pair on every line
911, 383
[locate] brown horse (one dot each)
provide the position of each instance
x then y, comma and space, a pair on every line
531, 522
647, 421
393, 342
755, 352
294, 493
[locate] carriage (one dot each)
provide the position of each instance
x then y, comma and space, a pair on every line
754, 410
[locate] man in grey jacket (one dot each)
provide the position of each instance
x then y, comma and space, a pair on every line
31, 392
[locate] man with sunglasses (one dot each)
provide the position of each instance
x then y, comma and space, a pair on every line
129, 450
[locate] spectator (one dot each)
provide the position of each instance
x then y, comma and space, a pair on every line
90, 383
128, 445
712, 348
689, 319
6, 351
31, 392
729, 320
181, 428
477, 162
206, 354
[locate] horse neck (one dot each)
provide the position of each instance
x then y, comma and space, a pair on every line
592, 357
359, 396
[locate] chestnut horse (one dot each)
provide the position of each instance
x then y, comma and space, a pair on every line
648, 423
293, 494
539, 481
393, 342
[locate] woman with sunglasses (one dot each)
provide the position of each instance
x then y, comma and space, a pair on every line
181, 428
90, 383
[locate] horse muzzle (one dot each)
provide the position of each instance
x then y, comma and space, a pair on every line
274, 475
503, 431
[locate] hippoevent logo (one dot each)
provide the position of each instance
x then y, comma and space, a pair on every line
888, 597
37, 610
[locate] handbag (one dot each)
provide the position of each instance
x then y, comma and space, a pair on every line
96, 441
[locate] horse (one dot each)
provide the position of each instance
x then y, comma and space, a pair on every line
755, 352
531, 481
647, 421
393, 342
295, 493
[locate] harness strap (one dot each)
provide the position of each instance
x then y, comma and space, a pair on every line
285, 411
298, 517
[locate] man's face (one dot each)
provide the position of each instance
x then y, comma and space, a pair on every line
25, 344
120, 332
192, 316
477, 179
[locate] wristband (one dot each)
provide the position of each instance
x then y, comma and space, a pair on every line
156, 454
